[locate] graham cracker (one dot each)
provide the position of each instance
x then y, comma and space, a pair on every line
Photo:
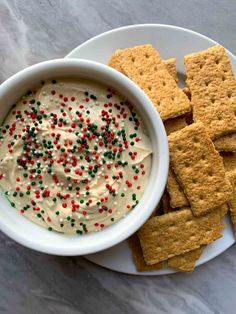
143, 65
170, 65
185, 262
176, 193
229, 160
175, 124
231, 175
163, 237
226, 143
213, 90
115, 62
199, 168
137, 255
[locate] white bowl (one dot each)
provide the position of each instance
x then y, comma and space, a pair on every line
35, 237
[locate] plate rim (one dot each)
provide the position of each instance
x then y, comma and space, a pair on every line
167, 271
144, 25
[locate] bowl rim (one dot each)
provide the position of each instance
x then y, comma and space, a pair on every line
163, 155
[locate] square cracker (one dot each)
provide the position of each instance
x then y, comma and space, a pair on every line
186, 262
175, 233
229, 160
143, 65
226, 143
213, 90
199, 168
176, 193
137, 255
115, 62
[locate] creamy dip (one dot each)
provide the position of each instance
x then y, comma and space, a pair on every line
75, 156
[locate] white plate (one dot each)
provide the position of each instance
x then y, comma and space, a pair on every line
170, 41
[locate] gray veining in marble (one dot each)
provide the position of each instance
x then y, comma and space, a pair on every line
30, 282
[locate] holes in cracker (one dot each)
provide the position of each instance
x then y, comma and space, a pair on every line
203, 157
229, 95
164, 83
155, 68
141, 72
210, 173
195, 140
207, 83
223, 77
194, 181
147, 55
201, 66
217, 61
149, 88
172, 98
186, 164
201, 197
132, 59
179, 148
213, 100
219, 118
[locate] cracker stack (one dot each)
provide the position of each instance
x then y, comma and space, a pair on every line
144, 66
201, 182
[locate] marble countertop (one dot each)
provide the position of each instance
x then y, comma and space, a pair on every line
31, 282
